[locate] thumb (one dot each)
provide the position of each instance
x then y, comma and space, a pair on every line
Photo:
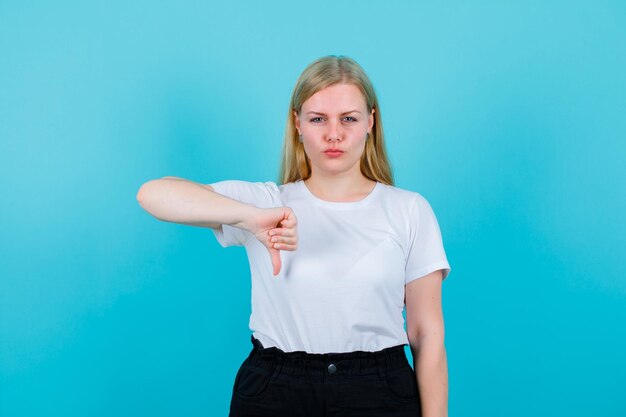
276, 263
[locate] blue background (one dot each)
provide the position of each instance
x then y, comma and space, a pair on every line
507, 116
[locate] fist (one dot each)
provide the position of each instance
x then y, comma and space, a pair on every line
276, 228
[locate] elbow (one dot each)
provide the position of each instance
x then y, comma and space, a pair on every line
141, 194
414, 340
427, 345
144, 192
434, 336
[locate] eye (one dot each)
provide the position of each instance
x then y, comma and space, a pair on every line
350, 117
314, 120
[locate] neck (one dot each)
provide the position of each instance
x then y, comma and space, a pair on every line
340, 188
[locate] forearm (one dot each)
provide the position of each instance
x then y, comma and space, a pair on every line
181, 201
431, 368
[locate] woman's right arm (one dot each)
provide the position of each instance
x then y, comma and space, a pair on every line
178, 200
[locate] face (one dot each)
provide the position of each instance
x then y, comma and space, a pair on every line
335, 118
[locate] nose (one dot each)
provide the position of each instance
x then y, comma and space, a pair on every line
334, 132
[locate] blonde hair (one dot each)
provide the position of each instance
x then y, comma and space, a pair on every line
322, 73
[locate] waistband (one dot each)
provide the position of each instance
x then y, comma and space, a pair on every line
320, 364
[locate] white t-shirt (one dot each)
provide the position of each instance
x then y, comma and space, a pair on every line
342, 289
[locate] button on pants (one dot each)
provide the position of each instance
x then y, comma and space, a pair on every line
274, 383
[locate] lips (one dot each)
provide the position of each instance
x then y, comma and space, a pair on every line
333, 153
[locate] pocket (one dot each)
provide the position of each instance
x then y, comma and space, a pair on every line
401, 385
252, 381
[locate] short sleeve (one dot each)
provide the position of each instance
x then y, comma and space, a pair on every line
259, 194
426, 253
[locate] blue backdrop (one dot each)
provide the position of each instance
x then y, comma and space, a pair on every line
507, 116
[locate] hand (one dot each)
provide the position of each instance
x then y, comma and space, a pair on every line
276, 229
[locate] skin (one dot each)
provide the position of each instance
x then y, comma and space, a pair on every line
324, 122
425, 331
179, 200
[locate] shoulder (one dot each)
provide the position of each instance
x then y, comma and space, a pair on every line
413, 200
409, 204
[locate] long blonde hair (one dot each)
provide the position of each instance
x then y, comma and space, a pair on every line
322, 73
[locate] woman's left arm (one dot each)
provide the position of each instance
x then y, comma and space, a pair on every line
425, 330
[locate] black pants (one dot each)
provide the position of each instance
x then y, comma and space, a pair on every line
273, 383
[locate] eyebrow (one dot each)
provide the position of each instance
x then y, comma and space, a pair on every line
347, 112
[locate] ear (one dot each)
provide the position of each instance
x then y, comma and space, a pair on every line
370, 120
296, 119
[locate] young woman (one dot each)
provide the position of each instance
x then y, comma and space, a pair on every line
336, 253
